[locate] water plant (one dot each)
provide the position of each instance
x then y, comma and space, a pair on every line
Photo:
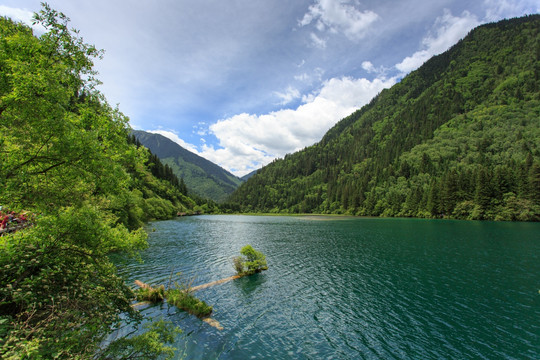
151, 294
187, 302
180, 296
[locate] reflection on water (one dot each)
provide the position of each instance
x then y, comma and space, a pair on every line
353, 288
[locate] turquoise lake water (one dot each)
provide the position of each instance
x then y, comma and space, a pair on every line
352, 288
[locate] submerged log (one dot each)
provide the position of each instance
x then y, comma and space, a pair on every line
207, 285
142, 285
140, 304
206, 319
213, 322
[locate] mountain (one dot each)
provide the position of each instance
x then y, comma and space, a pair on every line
457, 138
247, 176
201, 176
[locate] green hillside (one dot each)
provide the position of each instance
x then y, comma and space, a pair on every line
201, 176
457, 138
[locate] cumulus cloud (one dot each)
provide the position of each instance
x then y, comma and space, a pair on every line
16, 14
288, 96
498, 9
368, 66
339, 16
174, 137
21, 15
248, 141
447, 31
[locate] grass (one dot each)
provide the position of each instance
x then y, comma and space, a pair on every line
151, 294
187, 302
181, 298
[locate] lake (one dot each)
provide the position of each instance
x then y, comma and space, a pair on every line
352, 288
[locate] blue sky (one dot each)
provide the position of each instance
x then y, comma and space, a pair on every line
242, 82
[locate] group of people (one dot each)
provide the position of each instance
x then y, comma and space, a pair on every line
11, 221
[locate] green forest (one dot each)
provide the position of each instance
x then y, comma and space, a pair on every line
75, 187
457, 138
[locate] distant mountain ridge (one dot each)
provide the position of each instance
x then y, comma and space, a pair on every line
201, 176
247, 176
457, 138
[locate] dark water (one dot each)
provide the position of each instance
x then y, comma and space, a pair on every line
353, 288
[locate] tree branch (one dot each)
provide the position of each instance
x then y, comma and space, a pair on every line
12, 172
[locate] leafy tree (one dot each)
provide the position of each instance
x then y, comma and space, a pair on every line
64, 156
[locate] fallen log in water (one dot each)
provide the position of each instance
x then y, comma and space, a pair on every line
206, 319
142, 285
212, 322
207, 285
140, 303
181, 299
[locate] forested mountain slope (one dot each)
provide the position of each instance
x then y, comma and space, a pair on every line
457, 138
201, 176
247, 176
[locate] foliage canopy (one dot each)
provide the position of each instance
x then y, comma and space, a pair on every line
65, 156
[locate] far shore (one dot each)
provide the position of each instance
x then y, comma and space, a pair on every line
304, 216
327, 217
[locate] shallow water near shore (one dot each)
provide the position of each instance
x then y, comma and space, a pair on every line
352, 288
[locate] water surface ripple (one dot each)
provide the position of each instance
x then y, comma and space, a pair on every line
353, 288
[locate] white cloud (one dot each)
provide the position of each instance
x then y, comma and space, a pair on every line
288, 96
498, 9
16, 14
317, 41
21, 15
249, 141
174, 137
315, 75
302, 77
339, 16
368, 66
413, 62
448, 30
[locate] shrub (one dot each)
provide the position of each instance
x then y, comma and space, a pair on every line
238, 264
252, 262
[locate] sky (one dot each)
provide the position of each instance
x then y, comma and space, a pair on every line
242, 82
